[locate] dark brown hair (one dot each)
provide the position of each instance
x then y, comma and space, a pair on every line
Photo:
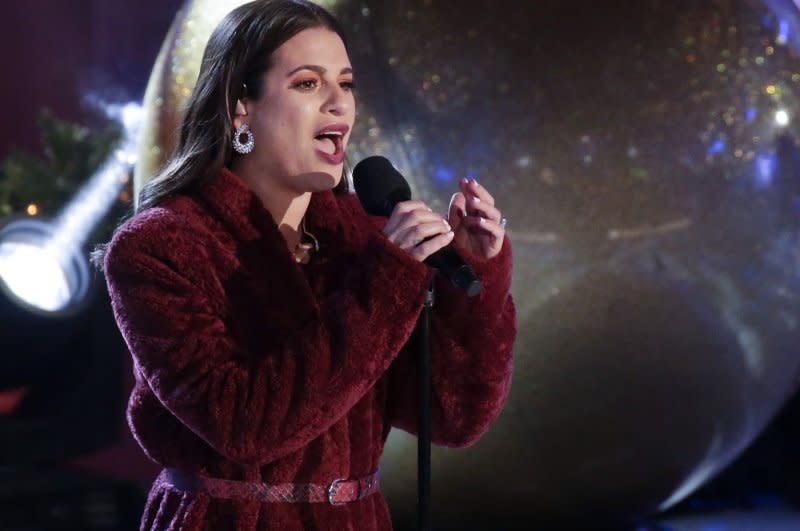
238, 54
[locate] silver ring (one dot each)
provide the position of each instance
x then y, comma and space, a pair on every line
503, 222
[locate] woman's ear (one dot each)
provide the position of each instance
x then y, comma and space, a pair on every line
240, 116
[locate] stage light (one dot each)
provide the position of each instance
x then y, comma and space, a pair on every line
782, 118
42, 267
52, 305
33, 275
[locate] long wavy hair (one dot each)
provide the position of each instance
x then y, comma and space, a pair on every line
238, 54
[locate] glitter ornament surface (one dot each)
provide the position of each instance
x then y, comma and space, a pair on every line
645, 156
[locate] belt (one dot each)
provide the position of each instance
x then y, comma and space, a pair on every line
338, 492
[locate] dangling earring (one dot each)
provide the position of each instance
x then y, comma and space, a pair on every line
247, 147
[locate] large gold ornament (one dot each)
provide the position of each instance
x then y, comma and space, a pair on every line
172, 81
644, 154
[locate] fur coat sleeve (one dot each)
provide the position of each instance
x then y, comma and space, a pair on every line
471, 358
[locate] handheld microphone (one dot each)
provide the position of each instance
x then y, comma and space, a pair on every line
380, 187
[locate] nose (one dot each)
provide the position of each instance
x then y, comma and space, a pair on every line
338, 101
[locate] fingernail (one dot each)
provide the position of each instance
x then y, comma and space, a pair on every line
481, 220
477, 199
446, 224
450, 234
473, 180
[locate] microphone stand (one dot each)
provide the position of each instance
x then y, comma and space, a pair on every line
424, 416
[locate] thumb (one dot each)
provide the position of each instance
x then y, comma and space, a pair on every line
457, 209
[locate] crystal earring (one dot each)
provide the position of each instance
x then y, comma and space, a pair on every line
247, 147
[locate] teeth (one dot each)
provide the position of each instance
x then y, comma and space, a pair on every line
332, 133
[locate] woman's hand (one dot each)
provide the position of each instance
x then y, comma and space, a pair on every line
415, 228
479, 226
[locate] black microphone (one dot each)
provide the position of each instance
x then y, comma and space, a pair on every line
380, 187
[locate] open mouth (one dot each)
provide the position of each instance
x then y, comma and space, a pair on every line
330, 143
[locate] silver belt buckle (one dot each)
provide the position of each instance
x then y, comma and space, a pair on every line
332, 491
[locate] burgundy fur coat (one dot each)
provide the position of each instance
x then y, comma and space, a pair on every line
252, 367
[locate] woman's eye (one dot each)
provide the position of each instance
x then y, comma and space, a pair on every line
347, 85
307, 84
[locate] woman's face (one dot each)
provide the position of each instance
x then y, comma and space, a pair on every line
304, 117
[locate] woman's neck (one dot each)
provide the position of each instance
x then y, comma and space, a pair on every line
288, 207
288, 213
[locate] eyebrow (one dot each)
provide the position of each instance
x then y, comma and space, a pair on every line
318, 69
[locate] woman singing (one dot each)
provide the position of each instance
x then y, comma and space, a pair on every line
268, 315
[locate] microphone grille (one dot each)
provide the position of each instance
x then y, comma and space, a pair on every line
379, 185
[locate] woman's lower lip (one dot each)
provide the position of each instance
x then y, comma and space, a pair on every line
333, 158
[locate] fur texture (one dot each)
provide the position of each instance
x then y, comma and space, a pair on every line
251, 367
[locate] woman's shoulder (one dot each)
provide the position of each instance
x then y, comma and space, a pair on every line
172, 228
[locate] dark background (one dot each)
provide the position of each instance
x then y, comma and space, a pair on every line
55, 54
58, 51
